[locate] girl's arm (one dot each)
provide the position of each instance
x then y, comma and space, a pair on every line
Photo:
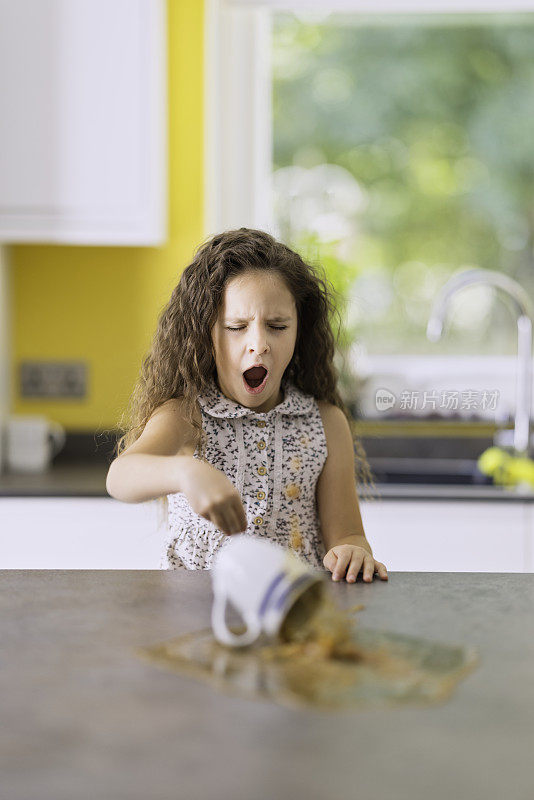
161, 461
338, 508
154, 464
138, 477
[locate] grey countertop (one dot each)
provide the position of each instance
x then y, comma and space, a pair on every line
84, 716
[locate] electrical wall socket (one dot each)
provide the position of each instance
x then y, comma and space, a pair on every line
53, 378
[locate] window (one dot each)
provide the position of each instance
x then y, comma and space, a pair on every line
402, 153
393, 148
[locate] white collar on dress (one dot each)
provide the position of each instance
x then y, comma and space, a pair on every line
216, 404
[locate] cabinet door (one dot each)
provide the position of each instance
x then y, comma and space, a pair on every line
450, 536
529, 539
78, 533
82, 128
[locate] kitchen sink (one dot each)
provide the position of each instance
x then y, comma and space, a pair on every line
447, 471
426, 454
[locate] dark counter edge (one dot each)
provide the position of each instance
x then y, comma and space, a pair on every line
81, 468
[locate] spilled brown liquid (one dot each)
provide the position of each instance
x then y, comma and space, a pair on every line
323, 660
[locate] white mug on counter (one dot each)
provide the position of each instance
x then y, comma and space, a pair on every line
31, 442
263, 582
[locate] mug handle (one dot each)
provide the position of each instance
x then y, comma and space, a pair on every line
222, 633
58, 435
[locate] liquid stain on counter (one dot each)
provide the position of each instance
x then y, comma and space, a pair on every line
325, 662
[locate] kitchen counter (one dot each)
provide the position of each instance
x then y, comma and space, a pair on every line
66, 479
432, 491
88, 479
84, 716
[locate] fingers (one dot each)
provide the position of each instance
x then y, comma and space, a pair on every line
368, 568
359, 557
356, 562
382, 571
343, 560
230, 519
242, 518
351, 560
330, 560
237, 516
236, 520
223, 520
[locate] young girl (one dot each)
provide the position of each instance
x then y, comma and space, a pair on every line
237, 419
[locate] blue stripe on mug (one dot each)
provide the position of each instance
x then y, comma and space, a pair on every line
281, 600
269, 592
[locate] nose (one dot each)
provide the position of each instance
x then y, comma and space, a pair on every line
258, 341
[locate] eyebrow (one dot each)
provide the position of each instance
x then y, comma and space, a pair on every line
272, 319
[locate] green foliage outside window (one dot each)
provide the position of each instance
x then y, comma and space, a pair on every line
429, 124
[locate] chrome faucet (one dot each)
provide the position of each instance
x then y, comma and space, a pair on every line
525, 315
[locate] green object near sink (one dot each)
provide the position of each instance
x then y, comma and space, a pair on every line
506, 469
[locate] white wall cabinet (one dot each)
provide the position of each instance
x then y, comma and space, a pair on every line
83, 132
433, 536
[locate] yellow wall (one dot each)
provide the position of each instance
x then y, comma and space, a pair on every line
100, 304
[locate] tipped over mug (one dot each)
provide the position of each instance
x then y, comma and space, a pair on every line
267, 584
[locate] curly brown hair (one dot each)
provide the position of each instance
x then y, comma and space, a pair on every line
181, 359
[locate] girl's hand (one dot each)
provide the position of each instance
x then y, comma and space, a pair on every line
212, 495
350, 559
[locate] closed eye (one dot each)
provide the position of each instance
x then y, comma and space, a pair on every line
274, 327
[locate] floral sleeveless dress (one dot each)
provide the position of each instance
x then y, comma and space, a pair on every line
274, 460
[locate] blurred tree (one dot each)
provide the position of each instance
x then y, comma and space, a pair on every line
431, 116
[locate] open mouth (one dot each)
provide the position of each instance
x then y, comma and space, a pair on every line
255, 377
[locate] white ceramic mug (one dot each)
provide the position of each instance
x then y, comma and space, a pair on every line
32, 442
262, 581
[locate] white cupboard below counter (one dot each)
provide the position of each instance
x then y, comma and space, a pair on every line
78, 533
411, 536
450, 536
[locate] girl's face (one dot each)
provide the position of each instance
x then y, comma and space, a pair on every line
257, 324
